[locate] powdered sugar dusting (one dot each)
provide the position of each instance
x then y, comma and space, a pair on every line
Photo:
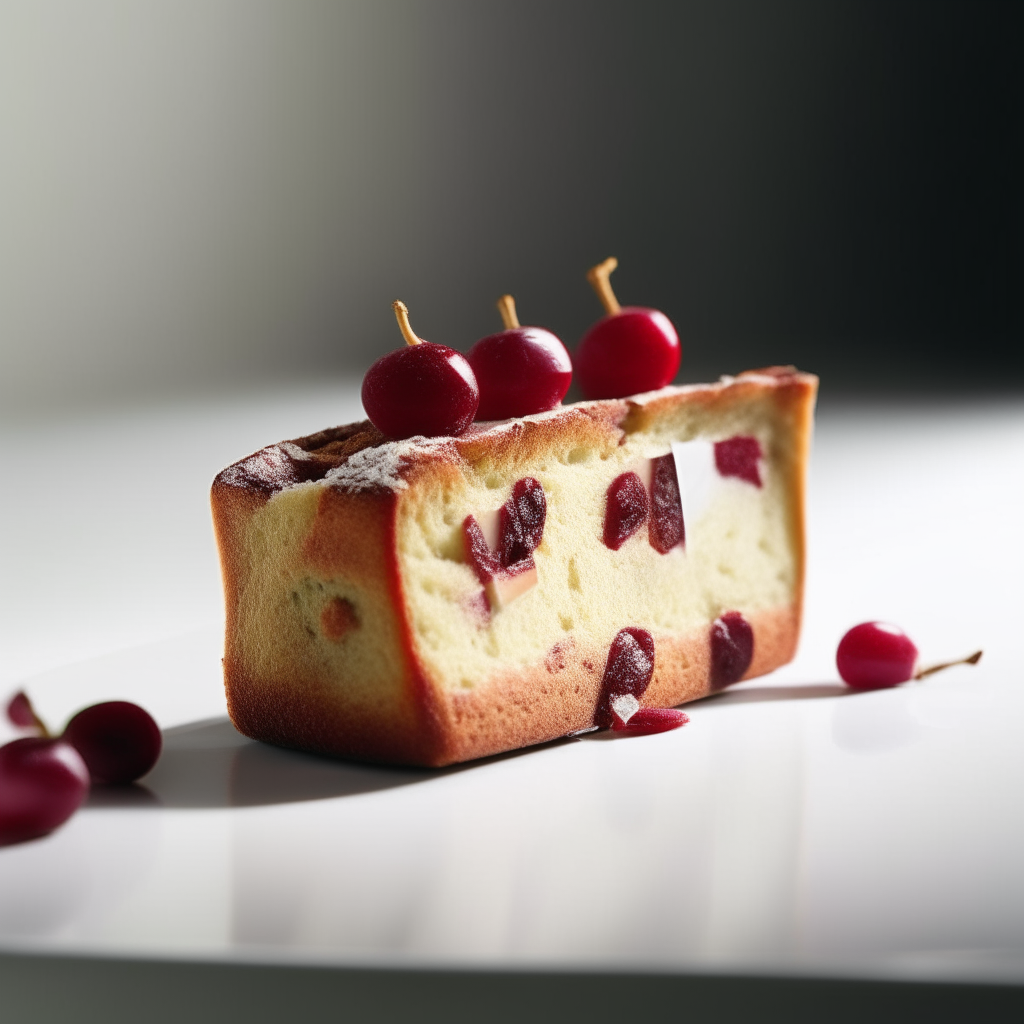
625, 707
268, 467
380, 468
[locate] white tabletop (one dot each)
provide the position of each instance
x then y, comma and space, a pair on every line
792, 827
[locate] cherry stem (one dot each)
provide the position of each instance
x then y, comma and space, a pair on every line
507, 309
598, 278
402, 316
39, 723
931, 669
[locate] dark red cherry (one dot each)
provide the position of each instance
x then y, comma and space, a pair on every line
665, 528
43, 781
630, 350
521, 370
875, 655
522, 521
740, 457
627, 672
626, 509
422, 389
732, 649
118, 740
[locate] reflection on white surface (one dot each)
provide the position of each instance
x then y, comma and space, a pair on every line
792, 825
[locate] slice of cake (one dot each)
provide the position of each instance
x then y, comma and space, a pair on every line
434, 600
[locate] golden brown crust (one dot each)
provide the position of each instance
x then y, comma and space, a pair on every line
419, 720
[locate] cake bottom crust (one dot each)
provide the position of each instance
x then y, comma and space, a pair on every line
558, 697
543, 702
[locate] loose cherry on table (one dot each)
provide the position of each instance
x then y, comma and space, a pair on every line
43, 781
632, 349
877, 655
520, 370
422, 389
118, 740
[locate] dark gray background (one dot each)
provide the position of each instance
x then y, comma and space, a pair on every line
216, 194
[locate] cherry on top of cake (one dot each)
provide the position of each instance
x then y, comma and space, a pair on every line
359, 457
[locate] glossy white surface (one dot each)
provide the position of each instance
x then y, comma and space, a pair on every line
791, 826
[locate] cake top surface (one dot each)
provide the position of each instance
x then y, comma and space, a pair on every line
357, 457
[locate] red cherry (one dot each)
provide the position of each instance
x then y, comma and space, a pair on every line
422, 389
118, 740
875, 655
43, 782
630, 350
521, 370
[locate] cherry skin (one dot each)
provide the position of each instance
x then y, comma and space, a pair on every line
875, 655
520, 370
630, 350
635, 350
118, 740
648, 721
43, 781
422, 389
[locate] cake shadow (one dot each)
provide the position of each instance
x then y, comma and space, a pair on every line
210, 764
762, 694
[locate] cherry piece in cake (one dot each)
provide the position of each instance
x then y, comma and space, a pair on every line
739, 457
630, 350
338, 618
508, 570
43, 781
522, 521
626, 509
627, 672
422, 389
732, 649
665, 529
520, 370
118, 740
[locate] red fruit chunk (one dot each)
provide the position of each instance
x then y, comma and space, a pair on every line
665, 529
634, 350
118, 740
522, 521
422, 389
732, 649
520, 371
647, 721
628, 670
626, 509
739, 457
43, 782
875, 655
485, 562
